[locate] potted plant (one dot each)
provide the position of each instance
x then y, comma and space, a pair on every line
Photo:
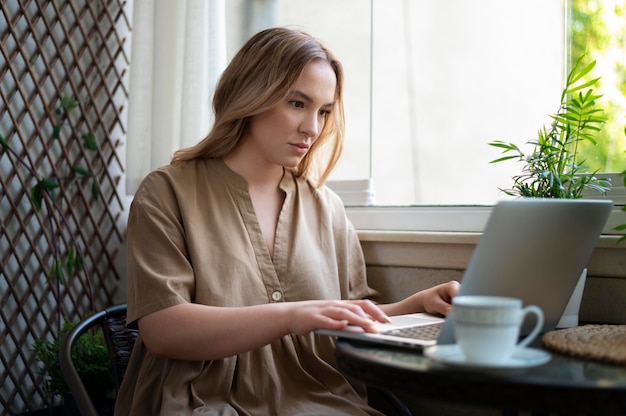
554, 168
91, 357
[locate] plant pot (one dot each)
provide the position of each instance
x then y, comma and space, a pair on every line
49, 411
69, 406
569, 318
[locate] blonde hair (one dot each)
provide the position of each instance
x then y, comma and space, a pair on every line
259, 76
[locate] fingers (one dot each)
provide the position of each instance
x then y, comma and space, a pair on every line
442, 307
371, 310
360, 313
441, 302
451, 289
369, 315
357, 313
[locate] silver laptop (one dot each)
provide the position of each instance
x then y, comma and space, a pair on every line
531, 248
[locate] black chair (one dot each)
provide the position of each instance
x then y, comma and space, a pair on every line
119, 339
387, 402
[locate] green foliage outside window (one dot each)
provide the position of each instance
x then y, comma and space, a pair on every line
597, 33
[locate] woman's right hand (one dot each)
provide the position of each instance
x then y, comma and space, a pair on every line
306, 316
199, 332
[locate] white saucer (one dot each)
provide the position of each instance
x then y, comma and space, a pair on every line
522, 358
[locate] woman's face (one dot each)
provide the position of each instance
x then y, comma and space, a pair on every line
284, 134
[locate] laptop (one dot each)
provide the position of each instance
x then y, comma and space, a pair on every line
531, 248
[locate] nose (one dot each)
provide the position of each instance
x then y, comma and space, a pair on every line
310, 125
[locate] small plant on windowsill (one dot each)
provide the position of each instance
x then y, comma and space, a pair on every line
553, 168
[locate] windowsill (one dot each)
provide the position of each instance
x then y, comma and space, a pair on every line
446, 219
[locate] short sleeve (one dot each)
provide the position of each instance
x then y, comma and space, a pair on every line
160, 274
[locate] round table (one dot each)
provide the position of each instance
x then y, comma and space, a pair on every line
563, 385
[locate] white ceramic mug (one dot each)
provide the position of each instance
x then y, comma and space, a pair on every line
487, 328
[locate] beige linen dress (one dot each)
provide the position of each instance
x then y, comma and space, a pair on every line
193, 236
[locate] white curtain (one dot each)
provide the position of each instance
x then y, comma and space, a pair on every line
178, 53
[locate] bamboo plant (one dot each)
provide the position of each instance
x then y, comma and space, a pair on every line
554, 168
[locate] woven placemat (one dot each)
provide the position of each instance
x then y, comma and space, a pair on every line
594, 342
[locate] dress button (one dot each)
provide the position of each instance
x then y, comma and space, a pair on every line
277, 296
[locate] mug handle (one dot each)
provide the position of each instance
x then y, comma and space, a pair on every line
538, 325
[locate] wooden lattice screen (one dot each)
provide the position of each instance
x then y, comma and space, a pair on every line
49, 50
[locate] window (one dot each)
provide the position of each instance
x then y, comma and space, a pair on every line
431, 83
596, 31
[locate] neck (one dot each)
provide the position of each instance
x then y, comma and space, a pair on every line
254, 171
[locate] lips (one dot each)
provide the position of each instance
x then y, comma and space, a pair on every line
301, 148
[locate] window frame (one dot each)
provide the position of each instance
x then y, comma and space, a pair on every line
460, 218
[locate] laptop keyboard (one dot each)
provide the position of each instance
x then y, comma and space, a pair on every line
425, 332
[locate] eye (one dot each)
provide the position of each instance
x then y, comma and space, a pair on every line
296, 104
324, 113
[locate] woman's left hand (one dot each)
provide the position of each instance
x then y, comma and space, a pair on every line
435, 300
438, 299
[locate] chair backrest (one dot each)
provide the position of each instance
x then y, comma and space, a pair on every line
119, 339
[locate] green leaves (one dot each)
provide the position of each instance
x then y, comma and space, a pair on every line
577, 74
68, 104
508, 147
56, 272
90, 355
43, 185
90, 141
48, 189
72, 263
3, 142
81, 171
552, 169
95, 189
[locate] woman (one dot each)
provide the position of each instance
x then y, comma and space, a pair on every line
237, 252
